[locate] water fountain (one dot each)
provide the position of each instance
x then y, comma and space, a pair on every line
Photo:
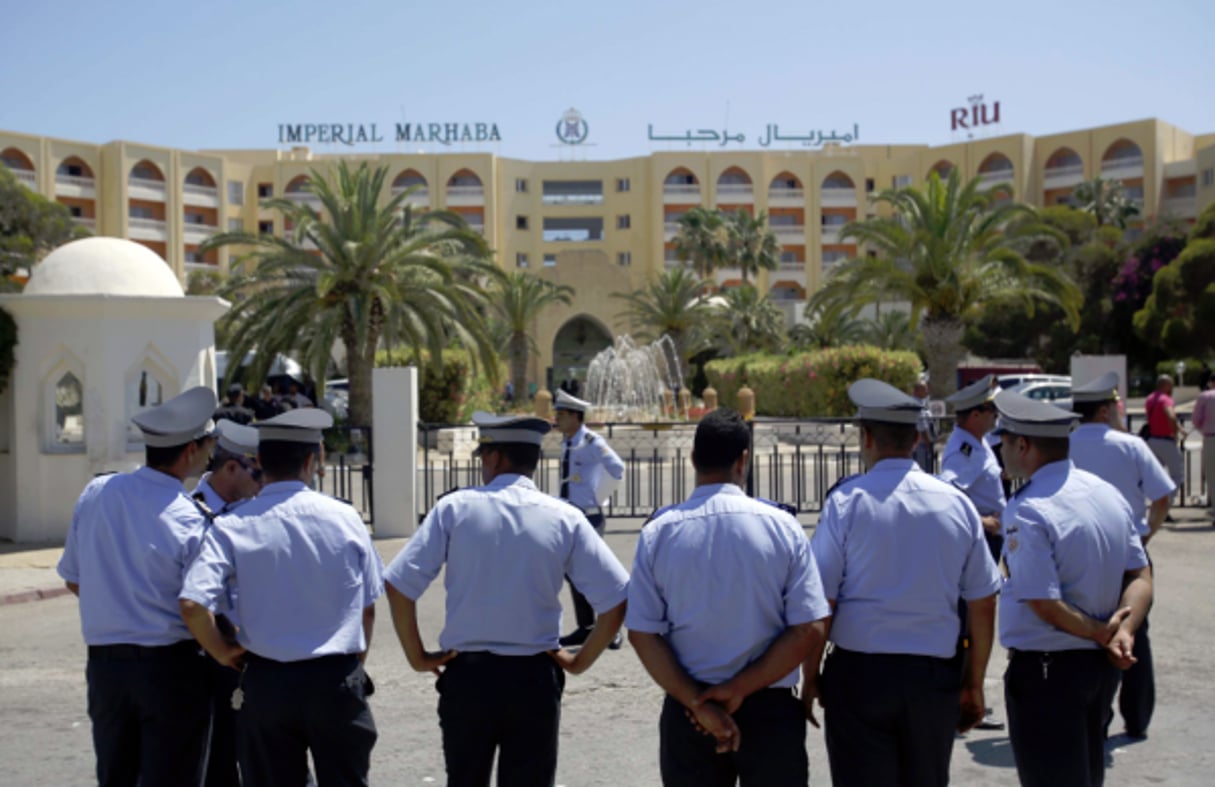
631, 382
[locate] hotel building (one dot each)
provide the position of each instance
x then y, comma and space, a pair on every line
601, 226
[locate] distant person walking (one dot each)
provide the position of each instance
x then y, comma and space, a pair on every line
1203, 419
1164, 430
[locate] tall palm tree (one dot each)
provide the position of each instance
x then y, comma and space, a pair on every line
702, 241
743, 321
518, 298
751, 245
1106, 201
670, 305
825, 326
948, 250
365, 271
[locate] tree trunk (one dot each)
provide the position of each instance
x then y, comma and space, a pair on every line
943, 348
518, 366
360, 361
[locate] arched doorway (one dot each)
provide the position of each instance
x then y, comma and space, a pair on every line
577, 342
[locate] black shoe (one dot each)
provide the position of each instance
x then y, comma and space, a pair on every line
989, 722
574, 638
616, 642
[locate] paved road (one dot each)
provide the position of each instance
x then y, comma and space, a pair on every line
609, 726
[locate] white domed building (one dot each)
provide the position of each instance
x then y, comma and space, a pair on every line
104, 330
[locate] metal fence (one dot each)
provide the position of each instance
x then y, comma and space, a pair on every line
349, 463
795, 462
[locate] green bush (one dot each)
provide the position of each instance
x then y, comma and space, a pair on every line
1192, 365
811, 384
447, 394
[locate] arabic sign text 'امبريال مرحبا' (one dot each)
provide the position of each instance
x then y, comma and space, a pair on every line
771, 134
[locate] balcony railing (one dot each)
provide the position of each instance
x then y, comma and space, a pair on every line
465, 193
989, 179
200, 190
670, 229
1182, 207
420, 196
1073, 173
831, 233
786, 196
681, 192
792, 232
79, 181
838, 197
727, 192
26, 177
1130, 166
85, 221
792, 265
146, 186
200, 229
304, 198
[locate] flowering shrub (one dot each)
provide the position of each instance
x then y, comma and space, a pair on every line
812, 384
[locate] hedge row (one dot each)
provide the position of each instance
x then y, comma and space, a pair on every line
812, 384
448, 394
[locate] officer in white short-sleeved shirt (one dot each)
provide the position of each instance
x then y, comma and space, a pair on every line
725, 596
968, 461
132, 537
589, 470
1125, 461
307, 577
1077, 585
896, 549
507, 548
232, 475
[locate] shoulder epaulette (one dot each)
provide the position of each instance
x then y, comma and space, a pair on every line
840, 482
200, 502
966, 449
788, 509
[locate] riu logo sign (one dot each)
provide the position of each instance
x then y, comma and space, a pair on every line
975, 115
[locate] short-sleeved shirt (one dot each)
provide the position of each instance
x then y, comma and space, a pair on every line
1068, 536
508, 548
304, 568
897, 548
1158, 419
1124, 461
131, 539
589, 457
971, 465
721, 576
1203, 416
210, 498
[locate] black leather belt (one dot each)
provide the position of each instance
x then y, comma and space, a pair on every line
187, 647
1054, 654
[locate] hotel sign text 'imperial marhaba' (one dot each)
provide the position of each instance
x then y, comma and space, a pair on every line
359, 133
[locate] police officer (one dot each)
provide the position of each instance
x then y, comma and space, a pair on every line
232, 477
969, 463
896, 548
303, 686
725, 596
1125, 461
507, 547
232, 474
589, 468
131, 539
1077, 585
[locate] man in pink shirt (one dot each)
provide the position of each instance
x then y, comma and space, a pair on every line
1164, 431
1204, 421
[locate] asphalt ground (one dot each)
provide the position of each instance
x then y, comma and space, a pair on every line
609, 732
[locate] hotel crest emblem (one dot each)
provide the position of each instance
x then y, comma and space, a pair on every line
572, 129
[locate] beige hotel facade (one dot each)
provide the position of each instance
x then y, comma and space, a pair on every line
601, 226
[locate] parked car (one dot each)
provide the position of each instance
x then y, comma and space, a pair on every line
337, 397
1056, 391
1010, 380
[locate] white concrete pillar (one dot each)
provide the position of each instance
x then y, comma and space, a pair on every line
394, 430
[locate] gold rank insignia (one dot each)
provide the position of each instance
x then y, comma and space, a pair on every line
967, 448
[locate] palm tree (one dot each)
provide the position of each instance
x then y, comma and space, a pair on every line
743, 321
671, 305
751, 246
1106, 201
827, 327
365, 272
890, 330
518, 298
702, 241
948, 250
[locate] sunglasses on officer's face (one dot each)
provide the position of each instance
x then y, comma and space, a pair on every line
254, 471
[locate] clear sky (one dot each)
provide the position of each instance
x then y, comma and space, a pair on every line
225, 73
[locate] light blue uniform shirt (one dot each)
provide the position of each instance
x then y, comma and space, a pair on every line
1069, 536
508, 548
896, 548
590, 457
1125, 461
971, 465
131, 539
305, 569
721, 576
